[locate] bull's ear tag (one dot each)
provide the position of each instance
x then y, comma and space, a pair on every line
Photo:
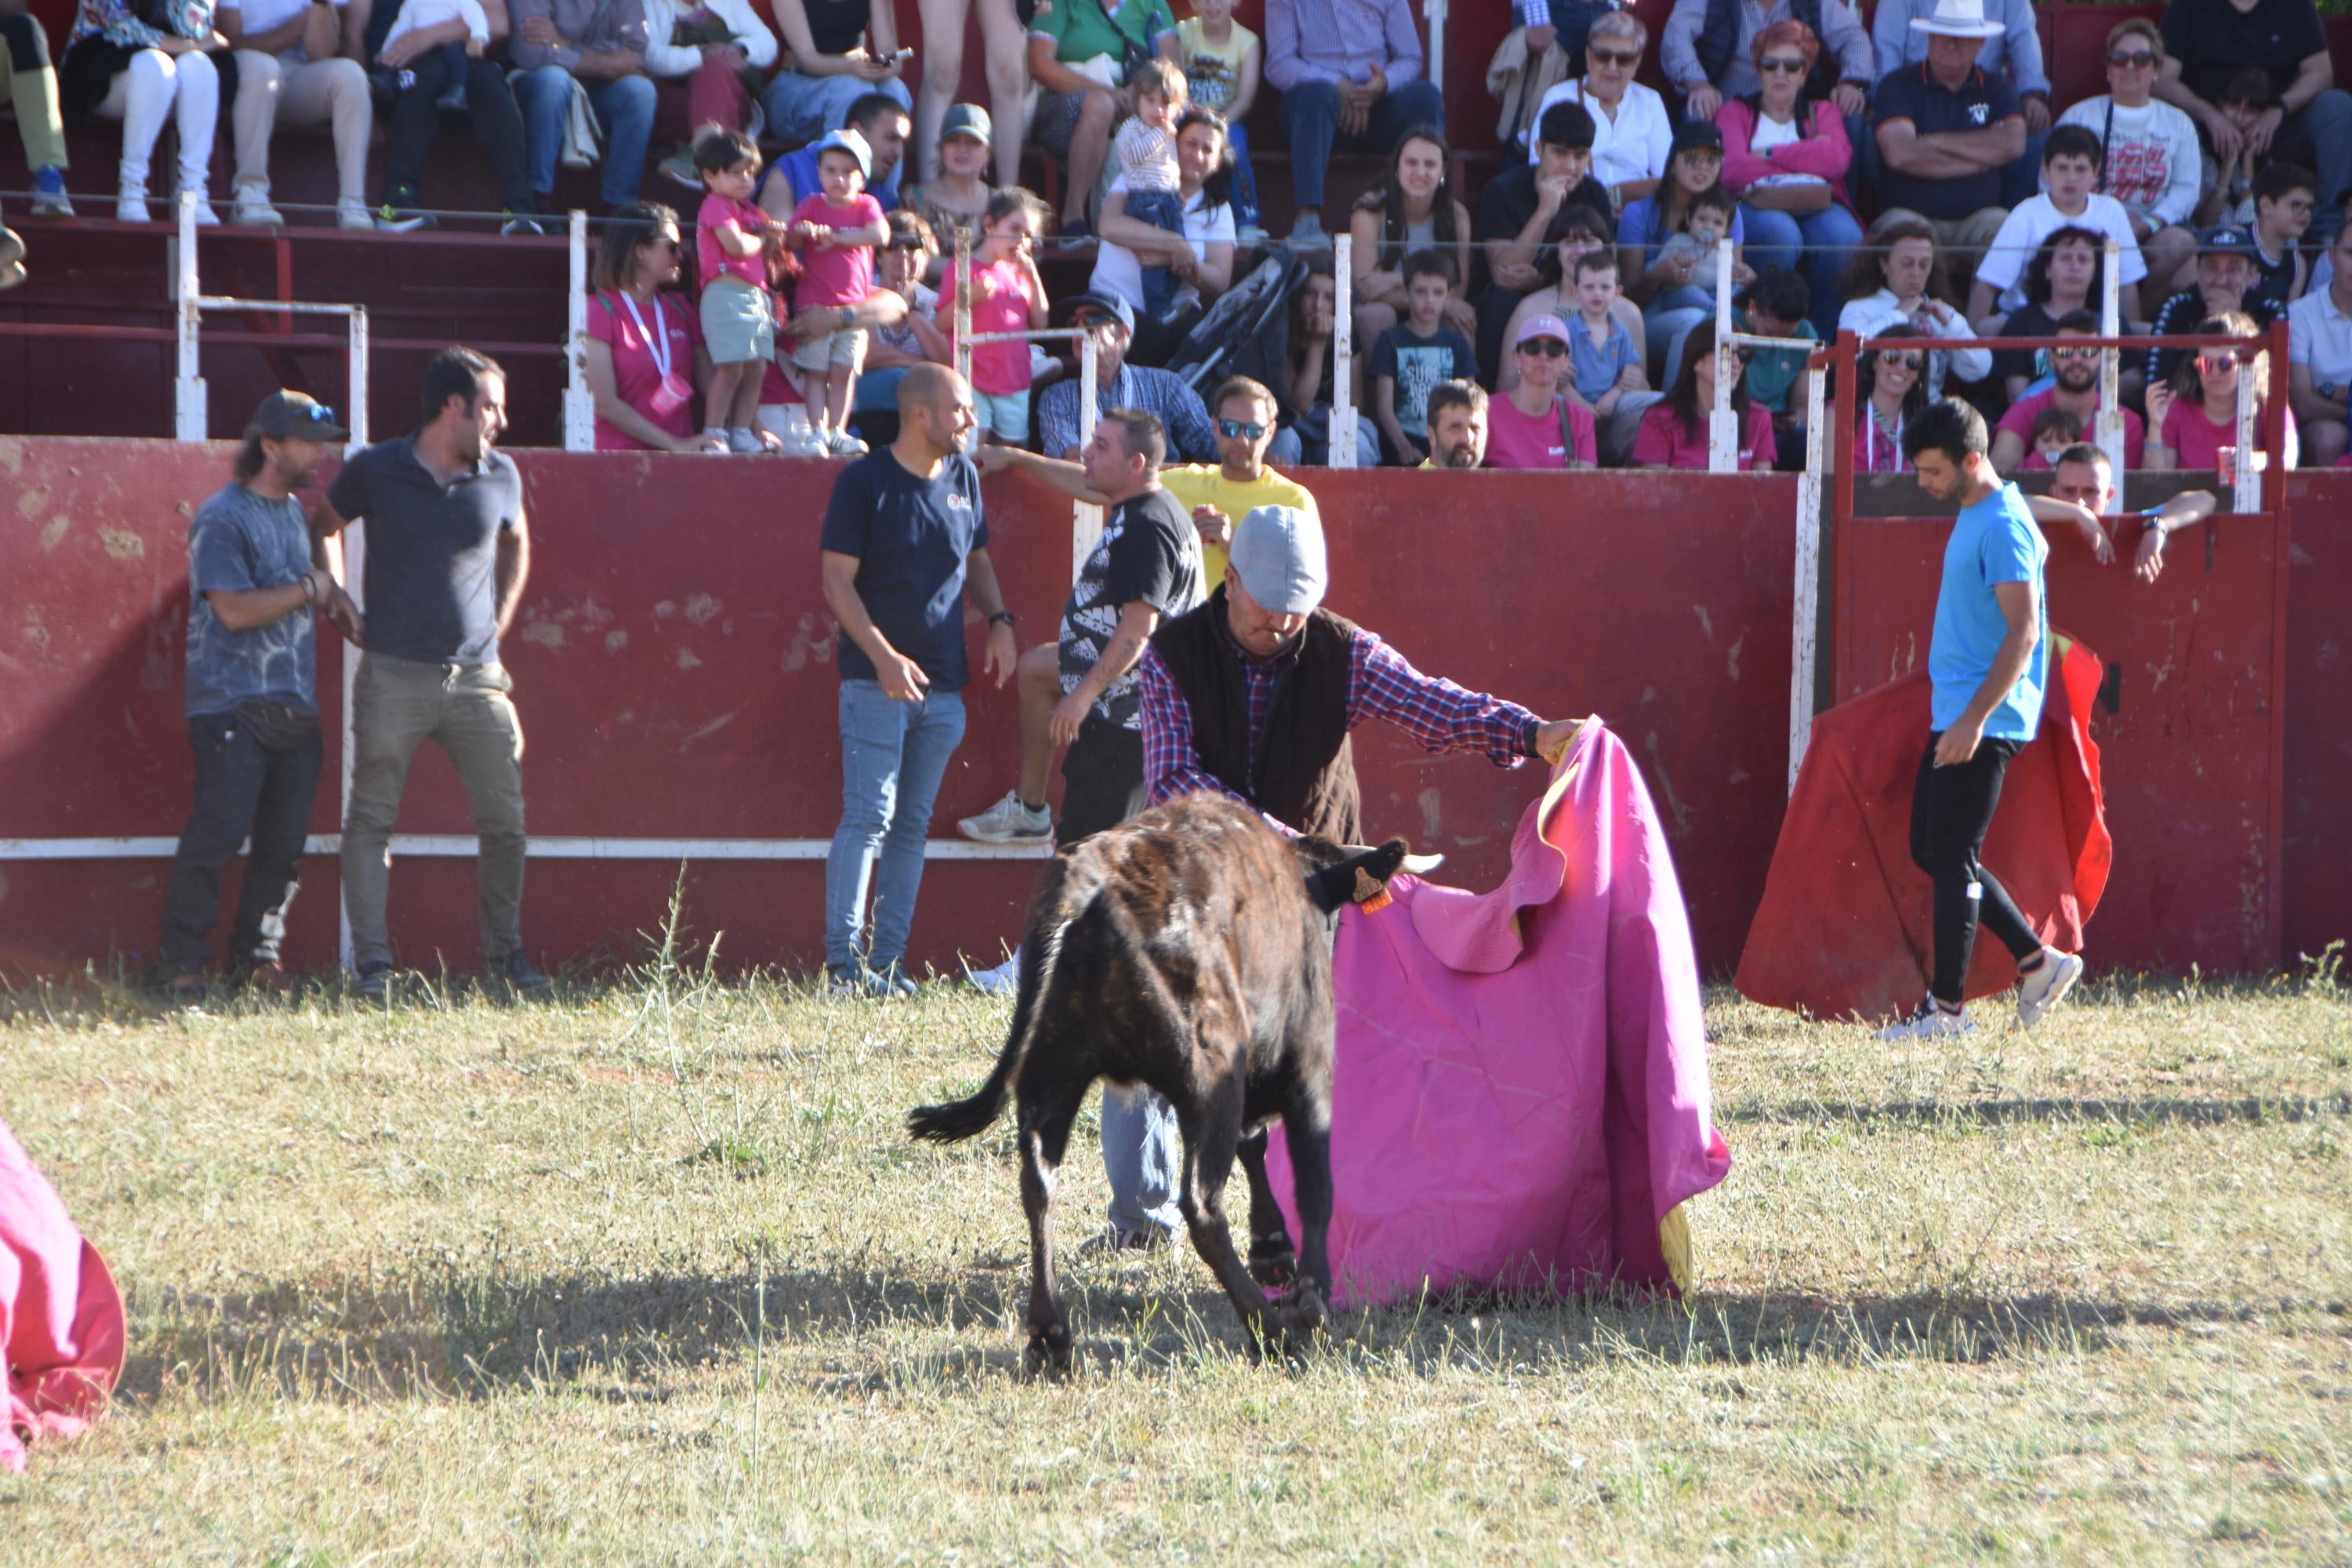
1371, 893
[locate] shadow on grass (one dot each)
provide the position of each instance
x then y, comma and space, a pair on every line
482, 1334
1988, 1113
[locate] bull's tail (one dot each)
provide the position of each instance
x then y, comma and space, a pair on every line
958, 1120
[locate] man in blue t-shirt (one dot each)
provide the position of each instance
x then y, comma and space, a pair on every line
904, 540
252, 697
1951, 137
1987, 664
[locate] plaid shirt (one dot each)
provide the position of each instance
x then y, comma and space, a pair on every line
1382, 684
1158, 393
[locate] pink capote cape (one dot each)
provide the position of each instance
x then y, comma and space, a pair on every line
61, 1324
1520, 1100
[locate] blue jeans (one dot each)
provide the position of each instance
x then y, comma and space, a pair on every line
625, 107
893, 756
1310, 117
1143, 1158
803, 108
1244, 176
1287, 450
1827, 239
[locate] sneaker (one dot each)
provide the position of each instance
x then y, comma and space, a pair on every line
50, 199
1002, 981
205, 217
400, 212
678, 168
1929, 1023
253, 210
1307, 234
133, 210
1009, 822
2047, 986
842, 444
351, 213
743, 443
895, 980
515, 970
860, 984
1114, 1238
530, 224
1251, 236
803, 444
372, 984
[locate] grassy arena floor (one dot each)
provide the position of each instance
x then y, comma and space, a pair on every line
650, 1274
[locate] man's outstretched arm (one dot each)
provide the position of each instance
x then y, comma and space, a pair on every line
1444, 717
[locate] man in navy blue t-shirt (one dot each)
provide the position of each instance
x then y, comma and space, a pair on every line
1988, 666
904, 540
1950, 136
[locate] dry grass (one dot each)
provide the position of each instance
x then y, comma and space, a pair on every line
651, 1274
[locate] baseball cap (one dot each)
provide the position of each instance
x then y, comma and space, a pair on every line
1277, 551
851, 142
2226, 240
289, 413
1692, 133
968, 119
1067, 311
1543, 327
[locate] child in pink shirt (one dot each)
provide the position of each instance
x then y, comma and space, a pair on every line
739, 315
836, 231
1007, 296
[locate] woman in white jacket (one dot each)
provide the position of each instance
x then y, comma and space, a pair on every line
706, 57
1896, 276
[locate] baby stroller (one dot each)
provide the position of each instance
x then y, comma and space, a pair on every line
1246, 332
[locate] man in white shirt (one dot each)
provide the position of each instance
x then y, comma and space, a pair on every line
2319, 359
297, 62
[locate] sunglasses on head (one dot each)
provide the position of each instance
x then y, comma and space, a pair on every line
1246, 429
2131, 58
1614, 57
320, 414
1550, 348
1791, 67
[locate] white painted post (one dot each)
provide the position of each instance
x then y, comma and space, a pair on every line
2246, 483
188, 422
1722, 425
2110, 422
1085, 520
963, 303
354, 566
1343, 353
1435, 11
1802, 650
579, 402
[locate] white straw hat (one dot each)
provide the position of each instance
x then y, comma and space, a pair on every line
1959, 20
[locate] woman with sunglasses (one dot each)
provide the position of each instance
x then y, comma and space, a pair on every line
1785, 155
1892, 377
1675, 434
2153, 165
647, 363
1534, 426
2192, 419
1572, 232
1632, 130
1898, 276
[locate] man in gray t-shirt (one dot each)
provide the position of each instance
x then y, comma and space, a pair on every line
252, 695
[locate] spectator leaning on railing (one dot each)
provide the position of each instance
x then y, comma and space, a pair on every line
1708, 50
296, 63
2320, 328
1948, 132
597, 47
2206, 42
1350, 75
2152, 164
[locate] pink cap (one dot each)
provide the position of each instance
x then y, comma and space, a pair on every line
1543, 327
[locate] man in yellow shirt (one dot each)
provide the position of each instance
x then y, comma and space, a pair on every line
1222, 494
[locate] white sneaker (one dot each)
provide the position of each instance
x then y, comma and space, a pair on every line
253, 210
1002, 981
352, 213
1929, 1023
842, 444
133, 210
803, 444
2047, 986
1307, 234
1009, 822
743, 443
205, 217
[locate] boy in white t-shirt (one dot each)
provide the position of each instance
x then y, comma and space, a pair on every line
2069, 176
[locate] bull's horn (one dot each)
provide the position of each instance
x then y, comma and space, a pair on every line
1421, 865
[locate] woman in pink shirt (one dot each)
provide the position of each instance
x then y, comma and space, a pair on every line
1673, 434
646, 361
1532, 425
2192, 419
1785, 156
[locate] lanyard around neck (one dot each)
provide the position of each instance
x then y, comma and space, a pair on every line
656, 340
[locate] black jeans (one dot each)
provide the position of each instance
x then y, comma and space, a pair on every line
415, 122
1102, 779
241, 788
1951, 809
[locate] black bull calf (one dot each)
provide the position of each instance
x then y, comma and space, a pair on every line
1187, 949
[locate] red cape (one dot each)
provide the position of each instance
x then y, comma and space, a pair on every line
61, 1324
1844, 929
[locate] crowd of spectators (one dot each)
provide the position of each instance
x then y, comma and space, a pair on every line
1905, 170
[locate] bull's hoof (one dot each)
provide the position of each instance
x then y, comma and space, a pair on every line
1274, 1268
1049, 1352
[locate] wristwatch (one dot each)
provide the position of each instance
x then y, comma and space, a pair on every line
1005, 617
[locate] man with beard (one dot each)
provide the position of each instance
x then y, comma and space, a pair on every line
2076, 371
252, 696
1457, 425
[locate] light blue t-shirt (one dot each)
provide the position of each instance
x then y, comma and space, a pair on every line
1995, 541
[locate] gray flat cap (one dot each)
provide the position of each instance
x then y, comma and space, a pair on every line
1278, 552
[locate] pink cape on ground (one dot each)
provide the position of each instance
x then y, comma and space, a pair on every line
1521, 1101
61, 1324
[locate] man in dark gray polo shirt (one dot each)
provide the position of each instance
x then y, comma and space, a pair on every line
447, 554
252, 697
